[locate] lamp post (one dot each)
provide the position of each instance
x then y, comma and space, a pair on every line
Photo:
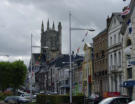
70, 62
31, 67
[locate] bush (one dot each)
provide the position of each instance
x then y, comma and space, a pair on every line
58, 99
3, 95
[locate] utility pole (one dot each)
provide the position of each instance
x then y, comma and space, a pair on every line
70, 68
31, 73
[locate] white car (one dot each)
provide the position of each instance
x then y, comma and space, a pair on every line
132, 102
25, 95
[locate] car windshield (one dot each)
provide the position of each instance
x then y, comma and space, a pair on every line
106, 101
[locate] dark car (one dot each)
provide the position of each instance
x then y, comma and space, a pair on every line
115, 100
16, 100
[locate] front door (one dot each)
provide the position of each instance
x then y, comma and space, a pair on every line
130, 91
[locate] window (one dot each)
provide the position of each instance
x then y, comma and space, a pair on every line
110, 41
103, 53
67, 81
111, 60
119, 37
128, 42
120, 80
114, 38
96, 55
119, 59
115, 59
116, 83
112, 83
129, 73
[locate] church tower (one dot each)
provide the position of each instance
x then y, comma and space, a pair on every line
51, 38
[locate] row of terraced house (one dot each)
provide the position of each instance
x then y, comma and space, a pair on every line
106, 68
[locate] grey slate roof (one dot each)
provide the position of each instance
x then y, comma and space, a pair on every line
58, 62
100, 33
118, 16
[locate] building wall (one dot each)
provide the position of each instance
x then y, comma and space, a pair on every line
100, 62
77, 80
115, 56
87, 70
51, 38
127, 58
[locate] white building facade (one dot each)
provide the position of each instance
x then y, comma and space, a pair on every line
129, 53
115, 54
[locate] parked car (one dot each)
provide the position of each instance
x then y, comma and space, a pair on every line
94, 99
25, 95
16, 100
115, 100
132, 102
51, 93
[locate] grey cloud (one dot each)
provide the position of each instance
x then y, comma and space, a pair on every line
20, 18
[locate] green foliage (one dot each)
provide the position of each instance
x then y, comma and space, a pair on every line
19, 71
5, 75
12, 74
3, 95
58, 99
79, 94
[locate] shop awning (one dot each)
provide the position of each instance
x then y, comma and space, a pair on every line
129, 83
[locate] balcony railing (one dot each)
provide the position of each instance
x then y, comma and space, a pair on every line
115, 68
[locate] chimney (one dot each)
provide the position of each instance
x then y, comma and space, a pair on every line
108, 20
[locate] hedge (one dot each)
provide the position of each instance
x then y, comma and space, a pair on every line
3, 95
58, 99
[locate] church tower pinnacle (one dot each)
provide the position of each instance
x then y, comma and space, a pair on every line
59, 26
42, 27
48, 25
53, 27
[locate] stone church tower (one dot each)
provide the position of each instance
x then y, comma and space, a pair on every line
51, 39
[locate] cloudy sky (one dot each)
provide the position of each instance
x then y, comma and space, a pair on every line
20, 18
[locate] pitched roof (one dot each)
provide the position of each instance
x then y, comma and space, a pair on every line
118, 16
101, 33
89, 44
63, 60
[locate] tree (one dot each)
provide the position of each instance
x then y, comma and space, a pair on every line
19, 71
5, 75
12, 74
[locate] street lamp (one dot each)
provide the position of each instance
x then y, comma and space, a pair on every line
70, 68
31, 67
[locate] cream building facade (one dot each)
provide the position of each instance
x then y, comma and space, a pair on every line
87, 70
129, 53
